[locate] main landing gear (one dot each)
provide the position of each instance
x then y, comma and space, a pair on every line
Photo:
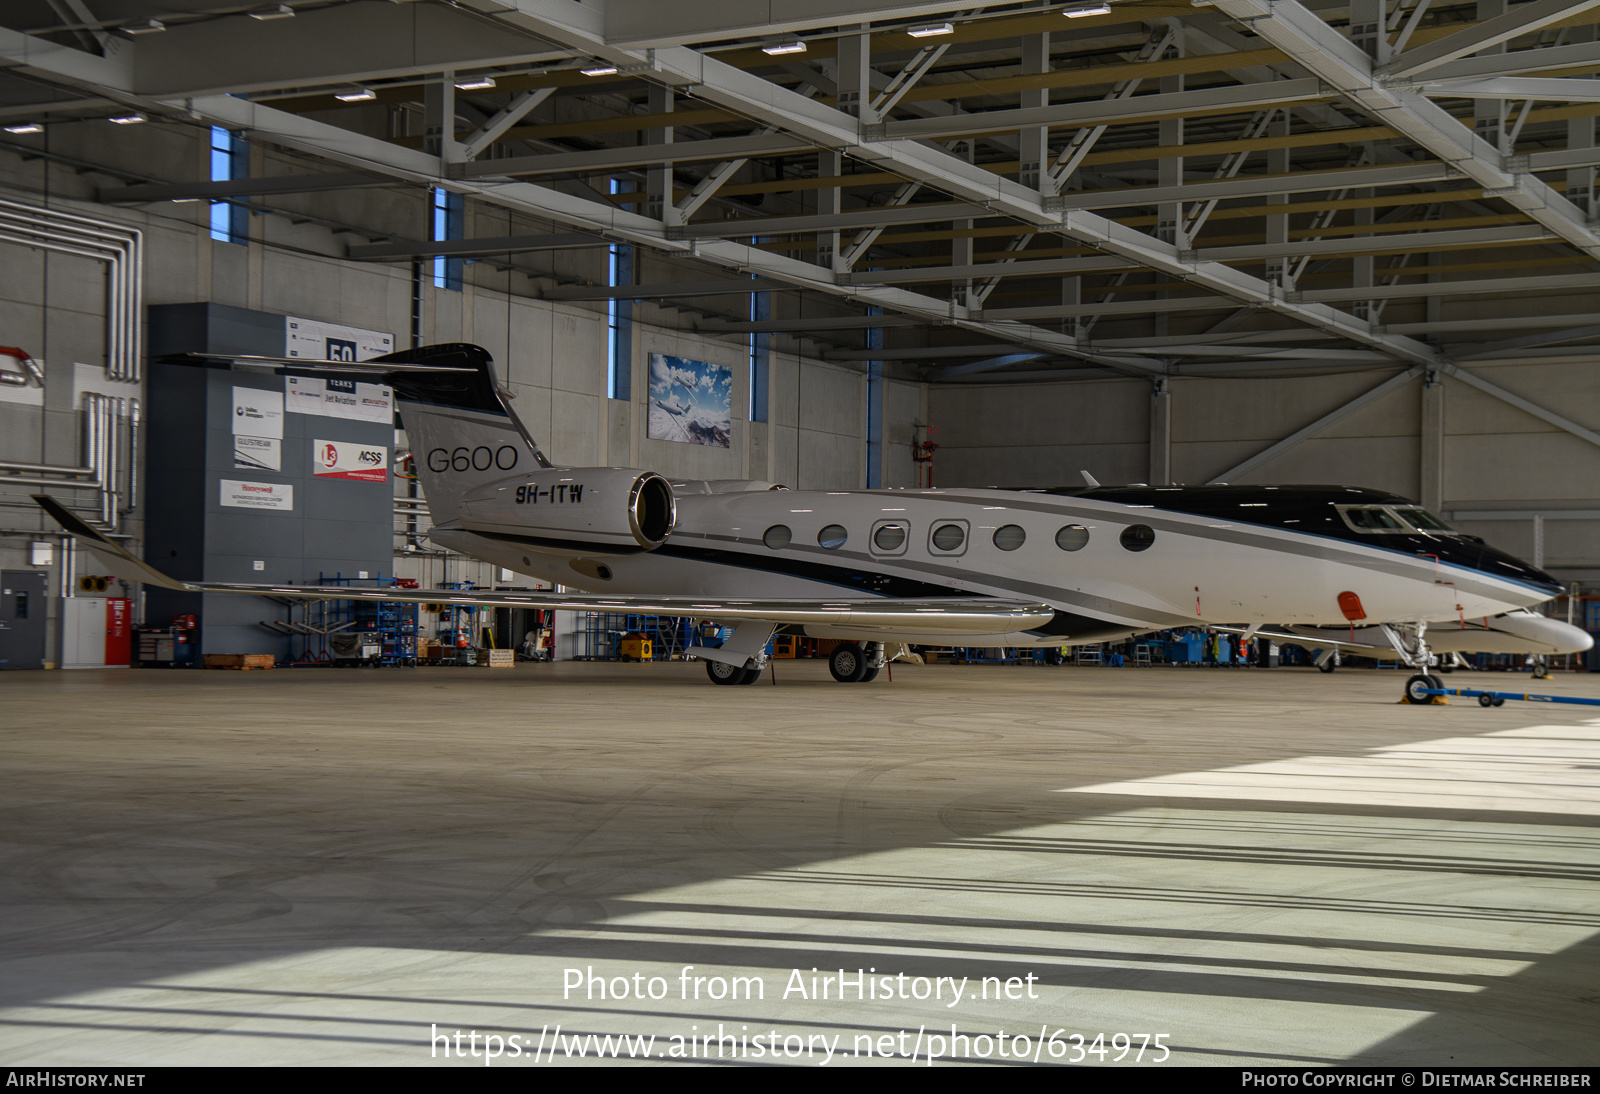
853, 664
723, 673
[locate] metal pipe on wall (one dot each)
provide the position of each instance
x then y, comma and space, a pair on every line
121, 246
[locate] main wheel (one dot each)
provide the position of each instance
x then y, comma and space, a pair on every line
869, 676
1417, 687
723, 673
847, 663
1328, 663
751, 675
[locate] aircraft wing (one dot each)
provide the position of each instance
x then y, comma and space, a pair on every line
1291, 638
935, 615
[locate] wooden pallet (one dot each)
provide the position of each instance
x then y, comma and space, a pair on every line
239, 660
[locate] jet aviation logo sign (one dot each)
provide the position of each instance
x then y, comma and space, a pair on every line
344, 460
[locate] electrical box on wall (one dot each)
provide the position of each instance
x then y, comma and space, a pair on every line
41, 553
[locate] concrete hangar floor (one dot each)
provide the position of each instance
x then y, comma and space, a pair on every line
1244, 867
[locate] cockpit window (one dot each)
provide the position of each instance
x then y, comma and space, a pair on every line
1420, 518
1391, 519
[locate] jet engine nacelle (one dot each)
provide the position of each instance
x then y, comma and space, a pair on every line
614, 510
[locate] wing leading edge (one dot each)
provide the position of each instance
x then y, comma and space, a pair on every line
932, 616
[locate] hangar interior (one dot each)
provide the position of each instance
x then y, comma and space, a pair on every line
1240, 241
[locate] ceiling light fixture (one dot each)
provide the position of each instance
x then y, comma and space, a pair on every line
280, 11
1081, 10
600, 70
25, 127
784, 48
930, 30
127, 119
356, 95
149, 27
480, 83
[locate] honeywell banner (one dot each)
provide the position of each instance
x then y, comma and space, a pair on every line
346, 460
257, 495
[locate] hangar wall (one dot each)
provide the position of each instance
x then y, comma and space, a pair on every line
553, 353
1492, 457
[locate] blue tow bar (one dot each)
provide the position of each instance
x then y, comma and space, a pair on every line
1495, 698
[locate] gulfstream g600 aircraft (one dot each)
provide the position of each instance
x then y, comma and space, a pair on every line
884, 568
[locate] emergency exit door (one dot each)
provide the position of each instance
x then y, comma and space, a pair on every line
22, 610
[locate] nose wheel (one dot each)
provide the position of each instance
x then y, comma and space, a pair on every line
1418, 686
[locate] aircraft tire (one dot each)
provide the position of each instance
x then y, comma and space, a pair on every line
872, 674
1417, 686
1328, 664
723, 673
847, 663
751, 675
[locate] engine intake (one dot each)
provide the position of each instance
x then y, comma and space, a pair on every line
593, 510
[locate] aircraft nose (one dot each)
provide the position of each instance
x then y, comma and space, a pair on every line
1558, 636
1477, 555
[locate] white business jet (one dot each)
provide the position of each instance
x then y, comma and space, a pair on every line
882, 569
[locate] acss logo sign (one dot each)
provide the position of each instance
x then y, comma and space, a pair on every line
481, 458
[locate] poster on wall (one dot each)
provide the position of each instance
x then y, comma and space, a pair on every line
333, 398
690, 401
257, 495
257, 453
347, 460
257, 413
331, 342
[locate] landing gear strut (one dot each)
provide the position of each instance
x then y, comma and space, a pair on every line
1410, 642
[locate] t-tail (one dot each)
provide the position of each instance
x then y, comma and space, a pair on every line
462, 430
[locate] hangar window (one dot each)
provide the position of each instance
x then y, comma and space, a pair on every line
1138, 537
777, 537
832, 537
949, 538
230, 159
448, 222
1009, 537
1072, 537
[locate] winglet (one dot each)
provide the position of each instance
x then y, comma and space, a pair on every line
1088, 479
132, 566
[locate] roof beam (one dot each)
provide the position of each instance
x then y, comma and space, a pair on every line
1223, 100
467, 248
1553, 282
1522, 19
238, 188
1037, 268
664, 291
876, 216
1331, 56
512, 113
1399, 243
1546, 89
1248, 186
1520, 63
611, 159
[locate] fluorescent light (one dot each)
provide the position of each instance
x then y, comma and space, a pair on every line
929, 30
126, 119
281, 11
149, 27
783, 48
1081, 10
25, 127
356, 95
481, 83
600, 70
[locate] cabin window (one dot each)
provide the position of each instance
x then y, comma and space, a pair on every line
1138, 537
1009, 537
832, 537
1421, 519
889, 537
948, 538
777, 537
1073, 537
